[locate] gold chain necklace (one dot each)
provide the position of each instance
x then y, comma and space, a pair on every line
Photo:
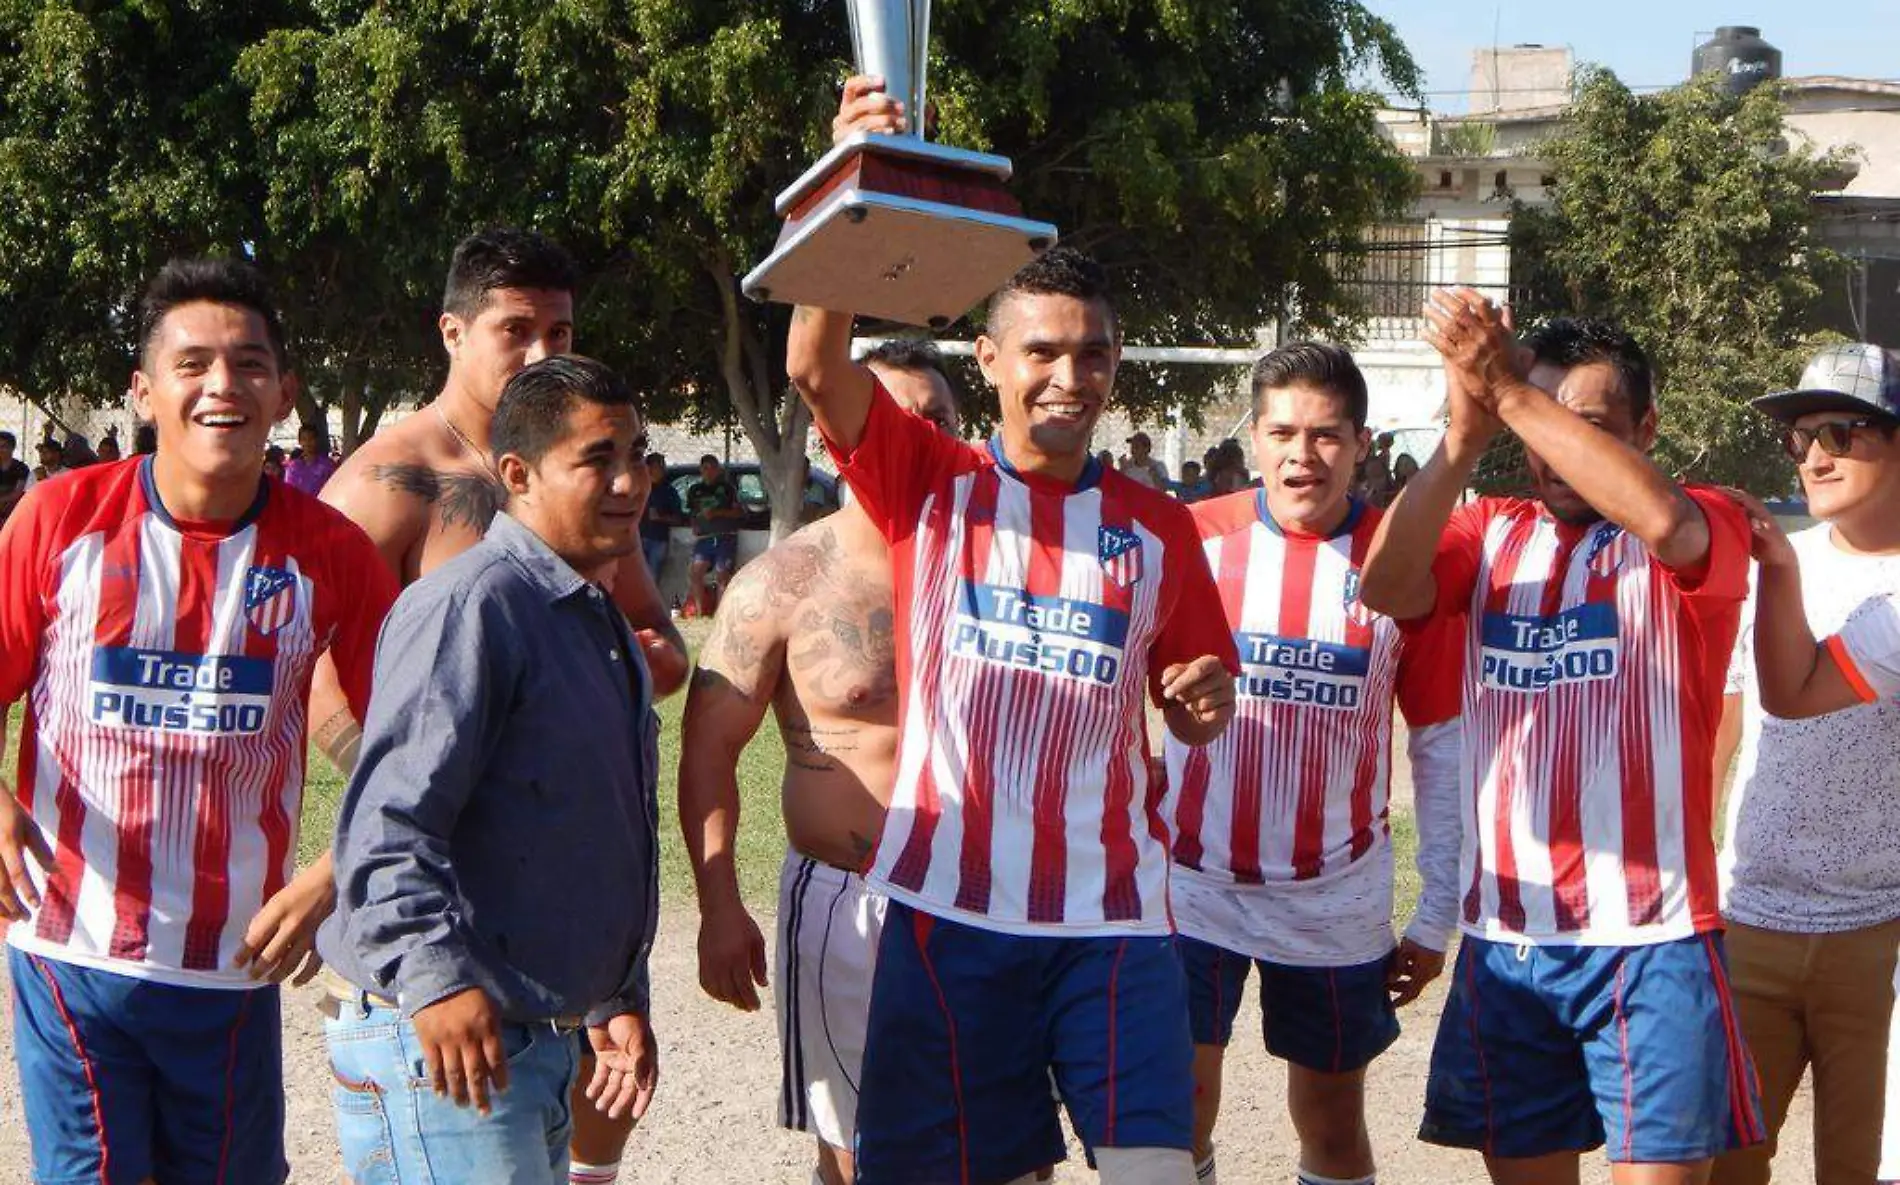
465, 442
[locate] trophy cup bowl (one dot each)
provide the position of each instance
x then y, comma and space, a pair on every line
894, 226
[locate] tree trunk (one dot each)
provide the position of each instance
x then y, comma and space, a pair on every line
778, 434
352, 415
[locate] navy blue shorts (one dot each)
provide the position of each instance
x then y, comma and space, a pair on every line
126, 1079
721, 551
1568, 1048
1331, 1019
967, 1027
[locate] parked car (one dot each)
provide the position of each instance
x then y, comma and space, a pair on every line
821, 492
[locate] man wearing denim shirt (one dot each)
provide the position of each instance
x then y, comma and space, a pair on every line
497, 852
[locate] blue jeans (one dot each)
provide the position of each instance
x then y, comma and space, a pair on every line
394, 1130
653, 551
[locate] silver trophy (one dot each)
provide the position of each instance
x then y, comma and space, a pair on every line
894, 226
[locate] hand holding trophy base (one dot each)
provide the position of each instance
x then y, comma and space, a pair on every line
892, 226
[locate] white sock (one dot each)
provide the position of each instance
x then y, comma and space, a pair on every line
1309, 1177
1205, 1173
593, 1174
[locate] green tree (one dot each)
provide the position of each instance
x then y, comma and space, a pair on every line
1215, 155
1689, 218
1200, 149
122, 141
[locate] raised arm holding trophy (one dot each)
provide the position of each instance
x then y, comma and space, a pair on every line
889, 224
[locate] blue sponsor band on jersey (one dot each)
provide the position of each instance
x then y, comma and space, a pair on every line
1054, 635
1532, 653
169, 691
1301, 670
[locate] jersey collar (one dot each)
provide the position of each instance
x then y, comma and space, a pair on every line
1090, 478
1355, 509
149, 484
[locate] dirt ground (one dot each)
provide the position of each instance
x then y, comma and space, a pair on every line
713, 1118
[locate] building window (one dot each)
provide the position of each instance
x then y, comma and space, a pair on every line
1387, 274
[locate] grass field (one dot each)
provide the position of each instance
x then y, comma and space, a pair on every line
761, 836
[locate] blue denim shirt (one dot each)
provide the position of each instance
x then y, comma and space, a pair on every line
501, 828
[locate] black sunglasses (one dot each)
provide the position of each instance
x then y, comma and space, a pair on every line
1836, 439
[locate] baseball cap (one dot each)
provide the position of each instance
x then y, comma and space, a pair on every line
1857, 377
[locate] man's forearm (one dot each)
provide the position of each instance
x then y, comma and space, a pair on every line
1786, 653
1618, 482
1397, 578
709, 822
818, 361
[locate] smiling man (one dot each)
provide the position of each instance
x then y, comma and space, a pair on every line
165, 613
1811, 873
426, 488
497, 852
1282, 849
1038, 594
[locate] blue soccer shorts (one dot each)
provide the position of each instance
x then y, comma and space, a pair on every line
1638, 1049
969, 1026
127, 1079
1333, 1020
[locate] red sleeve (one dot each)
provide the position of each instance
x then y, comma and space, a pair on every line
1193, 622
1722, 574
1430, 685
1460, 551
26, 551
365, 588
900, 458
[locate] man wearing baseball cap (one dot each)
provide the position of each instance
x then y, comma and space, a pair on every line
1811, 877
1140, 463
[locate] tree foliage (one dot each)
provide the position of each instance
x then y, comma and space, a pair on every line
1211, 153
1687, 217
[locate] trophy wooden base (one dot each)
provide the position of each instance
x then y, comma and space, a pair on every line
899, 229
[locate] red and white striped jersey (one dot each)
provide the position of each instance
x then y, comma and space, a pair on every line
1030, 615
1593, 686
168, 665
1296, 789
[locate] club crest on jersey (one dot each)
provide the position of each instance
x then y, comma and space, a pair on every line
270, 599
1602, 558
1120, 551
1356, 611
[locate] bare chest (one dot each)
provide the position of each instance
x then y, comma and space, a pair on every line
840, 647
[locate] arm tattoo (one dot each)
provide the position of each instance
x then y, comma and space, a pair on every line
340, 739
467, 499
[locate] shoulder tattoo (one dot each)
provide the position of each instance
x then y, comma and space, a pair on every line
465, 499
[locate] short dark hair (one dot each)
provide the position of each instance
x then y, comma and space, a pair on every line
532, 413
656, 458
9, 438
705, 458
1320, 365
1059, 271
505, 258
145, 438
211, 281
908, 353
1577, 341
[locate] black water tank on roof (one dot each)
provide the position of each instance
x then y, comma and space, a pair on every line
1740, 56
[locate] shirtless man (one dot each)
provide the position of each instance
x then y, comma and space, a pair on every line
425, 489
806, 629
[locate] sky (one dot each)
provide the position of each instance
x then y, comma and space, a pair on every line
1645, 42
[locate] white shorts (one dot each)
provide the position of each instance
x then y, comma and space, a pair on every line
829, 923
